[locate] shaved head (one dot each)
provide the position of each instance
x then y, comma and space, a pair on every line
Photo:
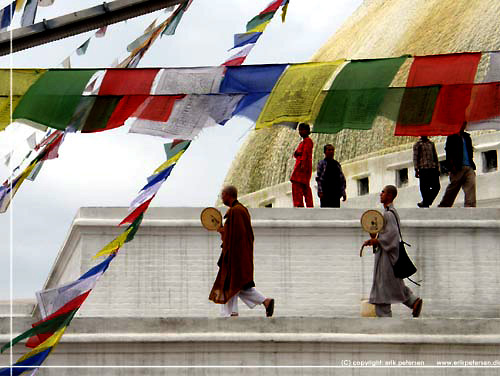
391, 190
231, 191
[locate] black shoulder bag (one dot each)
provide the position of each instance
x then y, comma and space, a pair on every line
404, 267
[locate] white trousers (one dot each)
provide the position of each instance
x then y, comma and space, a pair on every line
251, 297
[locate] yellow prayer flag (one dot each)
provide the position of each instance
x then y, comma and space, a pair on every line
296, 96
22, 79
283, 13
116, 244
52, 341
169, 162
260, 28
20, 5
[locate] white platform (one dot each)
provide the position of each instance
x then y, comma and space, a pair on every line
307, 259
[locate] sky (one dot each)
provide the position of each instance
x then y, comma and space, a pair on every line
108, 168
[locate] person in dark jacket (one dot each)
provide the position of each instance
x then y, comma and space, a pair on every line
331, 180
459, 158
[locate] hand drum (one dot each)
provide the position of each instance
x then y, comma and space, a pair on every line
211, 219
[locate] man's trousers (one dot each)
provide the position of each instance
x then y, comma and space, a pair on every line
465, 179
429, 185
251, 297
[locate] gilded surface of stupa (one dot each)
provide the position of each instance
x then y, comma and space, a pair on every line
378, 28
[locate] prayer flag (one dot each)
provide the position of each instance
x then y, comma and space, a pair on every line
259, 20
174, 81
6, 15
493, 74
484, 108
251, 79
128, 81
284, 10
240, 57
29, 13
101, 32
53, 98
27, 364
100, 114
176, 18
132, 217
295, 96
69, 308
455, 73
7, 157
124, 109
32, 140
83, 48
272, 7
114, 245
356, 94
53, 299
243, 39
172, 149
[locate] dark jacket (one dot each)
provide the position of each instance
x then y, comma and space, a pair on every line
455, 151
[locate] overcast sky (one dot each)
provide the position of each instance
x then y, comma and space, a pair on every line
107, 169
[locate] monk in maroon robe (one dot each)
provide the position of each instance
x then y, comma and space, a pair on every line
235, 277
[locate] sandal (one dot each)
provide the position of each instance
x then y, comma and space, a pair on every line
270, 308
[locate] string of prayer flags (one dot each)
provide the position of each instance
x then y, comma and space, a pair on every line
356, 94
58, 307
46, 327
167, 27
10, 187
295, 96
254, 29
139, 205
6, 15
455, 73
53, 299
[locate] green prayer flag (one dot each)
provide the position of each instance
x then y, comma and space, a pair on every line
135, 227
356, 94
99, 114
83, 48
53, 99
259, 19
174, 150
172, 25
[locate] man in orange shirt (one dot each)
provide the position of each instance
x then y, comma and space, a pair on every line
301, 176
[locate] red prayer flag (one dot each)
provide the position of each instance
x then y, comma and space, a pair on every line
128, 81
157, 107
484, 103
137, 212
125, 108
456, 72
273, 7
